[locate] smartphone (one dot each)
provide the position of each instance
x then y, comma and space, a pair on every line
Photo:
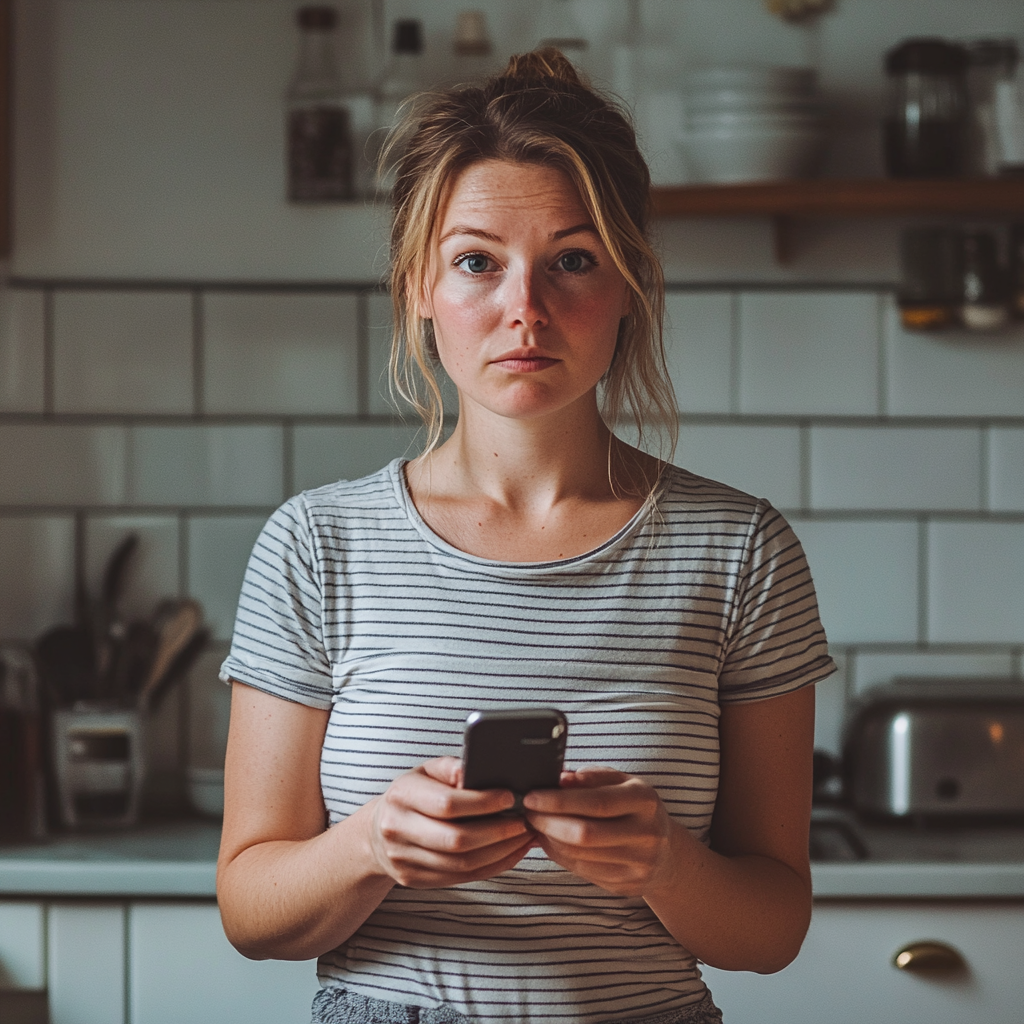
517, 750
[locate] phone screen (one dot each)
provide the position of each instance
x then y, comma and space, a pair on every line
516, 750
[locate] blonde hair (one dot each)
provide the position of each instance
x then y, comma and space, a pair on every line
537, 111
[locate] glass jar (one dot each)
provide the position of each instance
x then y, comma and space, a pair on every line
925, 130
931, 289
992, 61
984, 306
319, 125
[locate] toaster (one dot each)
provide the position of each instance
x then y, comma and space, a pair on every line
937, 748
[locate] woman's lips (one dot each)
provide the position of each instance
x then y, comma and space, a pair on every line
524, 364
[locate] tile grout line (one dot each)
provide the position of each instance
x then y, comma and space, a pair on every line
287, 459
198, 353
183, 545
922, 581
805, 467
362, 355
985, 468
734, 353
126, 960
883, 365
49, 354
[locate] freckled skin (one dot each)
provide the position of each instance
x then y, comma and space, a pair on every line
501, 282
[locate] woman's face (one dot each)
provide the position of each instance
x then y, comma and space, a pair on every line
525, 298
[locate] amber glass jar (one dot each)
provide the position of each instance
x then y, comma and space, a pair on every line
931, 289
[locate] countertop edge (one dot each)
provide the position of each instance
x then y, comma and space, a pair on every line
58, 879
145, 879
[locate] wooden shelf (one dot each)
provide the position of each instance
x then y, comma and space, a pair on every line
836, 197
786, 201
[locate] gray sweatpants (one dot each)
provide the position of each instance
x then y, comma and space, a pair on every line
337, 1006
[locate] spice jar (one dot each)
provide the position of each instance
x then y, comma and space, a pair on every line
319, 126
984, 306
992, 62
22, 790
931, 289
925, 130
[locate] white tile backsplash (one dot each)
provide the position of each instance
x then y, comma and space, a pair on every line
21, 350
281, 353
37, 566
975, 577
761, 460
381, 400
1006, 469
865, 574
698, 348
153, 572
830, 708
324, 454
209, 707
895, 468
879, 668
206, 465
122, 352
953, 373
218, 552
809, 353
44, 464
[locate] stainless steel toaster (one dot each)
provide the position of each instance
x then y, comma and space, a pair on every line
938, 747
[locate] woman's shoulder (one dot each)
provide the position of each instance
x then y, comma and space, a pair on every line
365, 494
336, 509
683, 491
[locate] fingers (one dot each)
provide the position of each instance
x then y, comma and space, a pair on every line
427, 833
595, 793
427, 790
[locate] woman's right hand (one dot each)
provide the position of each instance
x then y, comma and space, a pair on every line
426, 833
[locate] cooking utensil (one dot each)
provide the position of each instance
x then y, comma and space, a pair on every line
111, 631
178, 668
177, 632
66, 657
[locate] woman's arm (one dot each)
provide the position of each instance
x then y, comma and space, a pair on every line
744, 904
290, 888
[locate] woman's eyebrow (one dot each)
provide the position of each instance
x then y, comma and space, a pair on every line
465, 229
489, 236
565, 232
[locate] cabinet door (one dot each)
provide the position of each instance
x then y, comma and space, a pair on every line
844, 973
85, 944
21, 946
182, 970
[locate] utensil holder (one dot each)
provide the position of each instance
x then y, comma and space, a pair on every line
99, 766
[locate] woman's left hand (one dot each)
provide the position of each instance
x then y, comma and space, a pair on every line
606, 827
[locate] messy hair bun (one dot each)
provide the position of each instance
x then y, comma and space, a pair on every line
537, 111
542, 67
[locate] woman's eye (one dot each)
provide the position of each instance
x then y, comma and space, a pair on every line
474, 262
574, 262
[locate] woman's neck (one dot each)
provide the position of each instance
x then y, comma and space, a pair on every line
524, 464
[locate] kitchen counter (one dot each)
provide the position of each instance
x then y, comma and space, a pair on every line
177, 859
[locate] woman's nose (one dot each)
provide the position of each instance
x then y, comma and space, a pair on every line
526, 306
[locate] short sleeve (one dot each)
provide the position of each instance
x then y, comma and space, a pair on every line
776, 641
278, 644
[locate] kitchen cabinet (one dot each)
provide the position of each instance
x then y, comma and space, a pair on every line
85, 963
845, 974
182, 970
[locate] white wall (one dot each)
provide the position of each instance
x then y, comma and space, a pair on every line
182, 349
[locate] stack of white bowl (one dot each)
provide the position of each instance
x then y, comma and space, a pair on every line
753, 124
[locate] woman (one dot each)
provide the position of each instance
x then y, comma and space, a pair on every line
532, 559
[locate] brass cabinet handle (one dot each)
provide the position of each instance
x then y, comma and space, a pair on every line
929, 957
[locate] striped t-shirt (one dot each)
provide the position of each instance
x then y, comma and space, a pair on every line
351, 603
